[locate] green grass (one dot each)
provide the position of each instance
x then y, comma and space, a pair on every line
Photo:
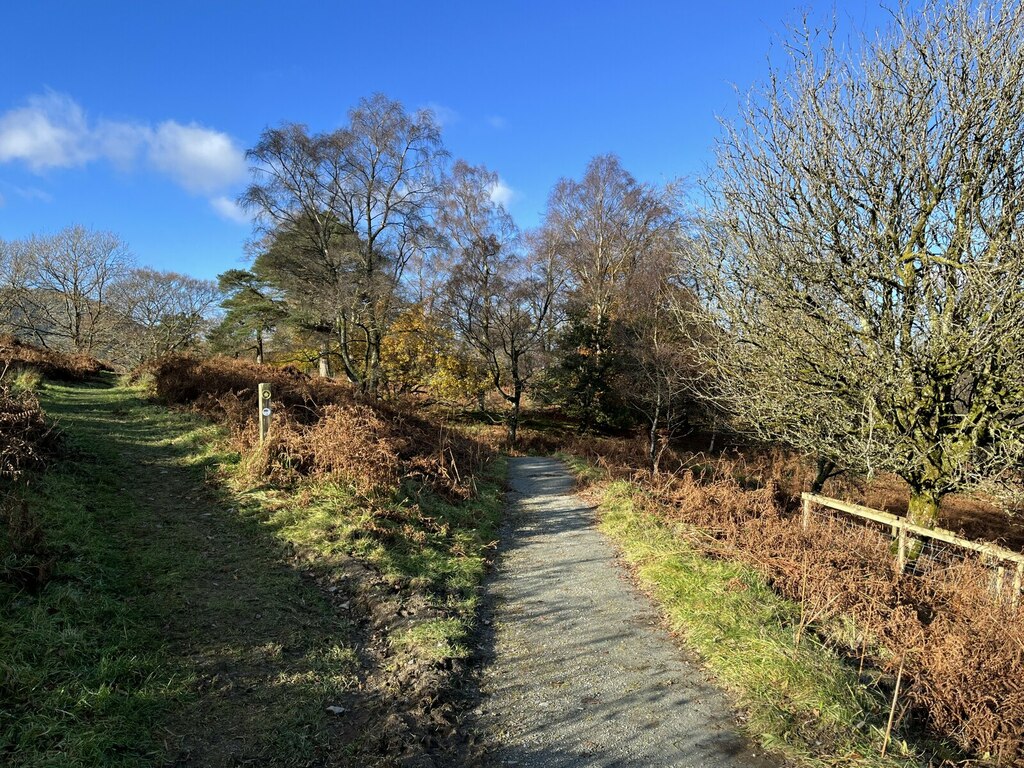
162, 606
585, 472
804, 702
416, 541
179, 619
434, 639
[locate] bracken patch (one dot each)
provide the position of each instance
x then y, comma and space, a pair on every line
323, 427
16, 355
958, 644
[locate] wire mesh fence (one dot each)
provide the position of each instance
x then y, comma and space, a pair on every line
938, 555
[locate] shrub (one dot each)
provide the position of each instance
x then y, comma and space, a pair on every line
25, 437
322, 427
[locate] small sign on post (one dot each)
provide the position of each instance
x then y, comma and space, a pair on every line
264, 407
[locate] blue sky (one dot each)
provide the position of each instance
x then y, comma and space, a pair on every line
133, 116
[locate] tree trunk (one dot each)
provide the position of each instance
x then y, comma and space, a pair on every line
259, 347
325, 362
373, 365
653, 454
513, 415
924, 506
824, 470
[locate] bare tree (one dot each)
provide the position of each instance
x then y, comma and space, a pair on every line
372, 183
657, 368
864, 261
498, 298
604, 228
58, 286
160, 312
7, 267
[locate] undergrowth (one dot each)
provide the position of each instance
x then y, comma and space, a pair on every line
801, 699
20, 357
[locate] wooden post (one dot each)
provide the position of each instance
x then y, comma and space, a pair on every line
901, 548
807, 514
1000, 580
264, 410
895, 698
1018, 583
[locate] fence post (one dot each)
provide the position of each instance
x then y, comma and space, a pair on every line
1018, 583
806, 522
1000, 580
901, 548
263, 403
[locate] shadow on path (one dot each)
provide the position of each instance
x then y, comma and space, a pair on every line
580, 672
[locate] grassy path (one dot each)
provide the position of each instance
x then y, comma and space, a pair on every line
173, 631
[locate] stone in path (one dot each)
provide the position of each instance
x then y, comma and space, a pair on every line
582, 673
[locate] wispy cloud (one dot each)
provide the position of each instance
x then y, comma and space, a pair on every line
497, 122
502, 193
27, 193
228, 209
53, 131
445, 116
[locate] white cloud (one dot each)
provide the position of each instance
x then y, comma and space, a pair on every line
502, 194
53, 131
497, 122
200, 159
230, 210
48, 132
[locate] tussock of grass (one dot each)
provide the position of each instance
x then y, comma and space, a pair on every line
802, 701
27, 380
435, 639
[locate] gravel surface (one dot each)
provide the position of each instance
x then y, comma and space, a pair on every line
581, 673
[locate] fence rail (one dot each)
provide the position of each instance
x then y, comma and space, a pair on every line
902, 528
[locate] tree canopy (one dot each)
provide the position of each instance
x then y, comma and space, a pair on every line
863, 260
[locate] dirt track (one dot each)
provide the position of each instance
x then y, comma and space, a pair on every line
581, 672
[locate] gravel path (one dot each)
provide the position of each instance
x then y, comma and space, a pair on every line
581, 672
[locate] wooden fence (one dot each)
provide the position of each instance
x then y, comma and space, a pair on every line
902, 530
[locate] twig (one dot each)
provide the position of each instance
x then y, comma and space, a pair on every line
892, 709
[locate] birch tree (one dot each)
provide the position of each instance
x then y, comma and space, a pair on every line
604, 228
370, 184
499, 297
160, 312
